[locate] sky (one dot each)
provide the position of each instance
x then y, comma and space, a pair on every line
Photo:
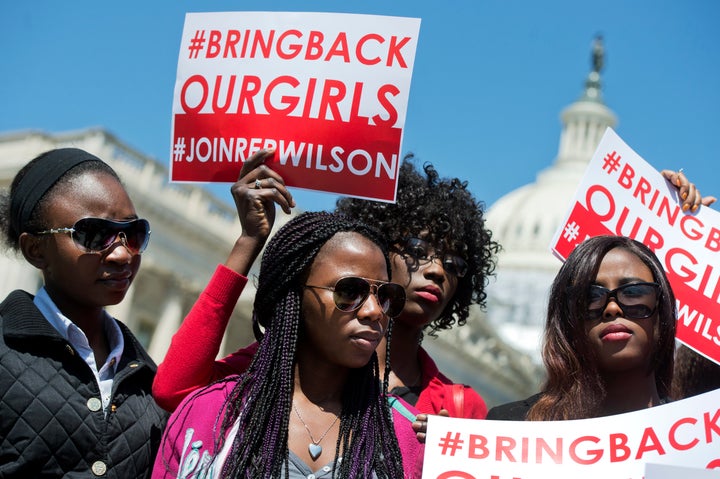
489, 82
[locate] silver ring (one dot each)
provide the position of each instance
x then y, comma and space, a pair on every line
258, 185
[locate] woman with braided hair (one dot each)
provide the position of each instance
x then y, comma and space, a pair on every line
312, 400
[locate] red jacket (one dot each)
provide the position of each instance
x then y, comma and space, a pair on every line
439, 392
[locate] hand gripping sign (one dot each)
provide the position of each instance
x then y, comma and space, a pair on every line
328, 91
622, 194
682, 433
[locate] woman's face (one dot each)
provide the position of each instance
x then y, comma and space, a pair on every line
429, 287
77, 280
346, 339
622, 344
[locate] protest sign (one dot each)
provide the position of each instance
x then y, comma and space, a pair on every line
681, 433
622, 194
328, 91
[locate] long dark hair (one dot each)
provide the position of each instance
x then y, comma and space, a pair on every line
694, 374
262, 399
574, 388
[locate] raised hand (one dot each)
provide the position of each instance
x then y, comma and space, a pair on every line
690, 195
256, 193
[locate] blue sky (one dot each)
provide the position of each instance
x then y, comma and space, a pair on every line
490, 78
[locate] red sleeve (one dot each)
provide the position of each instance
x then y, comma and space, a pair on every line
437, 393
190, 361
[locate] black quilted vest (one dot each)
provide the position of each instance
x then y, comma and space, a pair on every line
51, 421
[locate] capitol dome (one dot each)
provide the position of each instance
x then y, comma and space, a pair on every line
525, 220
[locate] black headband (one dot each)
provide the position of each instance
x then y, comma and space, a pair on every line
39, 178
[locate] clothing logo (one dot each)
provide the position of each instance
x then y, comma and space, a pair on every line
195, 463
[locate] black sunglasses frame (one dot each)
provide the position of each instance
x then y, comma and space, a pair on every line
452, 263
361, 289
97, 235
597, 313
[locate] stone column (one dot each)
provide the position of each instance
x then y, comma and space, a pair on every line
169, 322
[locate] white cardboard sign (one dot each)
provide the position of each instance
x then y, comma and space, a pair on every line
683, 433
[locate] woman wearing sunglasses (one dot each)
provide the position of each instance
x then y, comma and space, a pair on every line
609, 336
312, 402
75, 382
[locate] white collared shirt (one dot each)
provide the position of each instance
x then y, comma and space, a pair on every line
76, 337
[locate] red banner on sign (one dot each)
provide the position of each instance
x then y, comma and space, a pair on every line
310, 153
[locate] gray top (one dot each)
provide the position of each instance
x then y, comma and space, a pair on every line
300, 470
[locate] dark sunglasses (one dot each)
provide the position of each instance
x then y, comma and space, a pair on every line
418, 251
95, 235
636, 300
350, 292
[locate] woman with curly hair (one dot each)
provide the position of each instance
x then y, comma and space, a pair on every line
442, 254
609, 337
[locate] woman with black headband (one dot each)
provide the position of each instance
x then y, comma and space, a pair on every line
74, 382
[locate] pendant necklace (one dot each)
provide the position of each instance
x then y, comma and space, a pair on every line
314, 448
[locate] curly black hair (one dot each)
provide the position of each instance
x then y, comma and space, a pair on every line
450, 218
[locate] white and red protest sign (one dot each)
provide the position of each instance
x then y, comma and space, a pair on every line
622, 194
682, 433
328, 91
